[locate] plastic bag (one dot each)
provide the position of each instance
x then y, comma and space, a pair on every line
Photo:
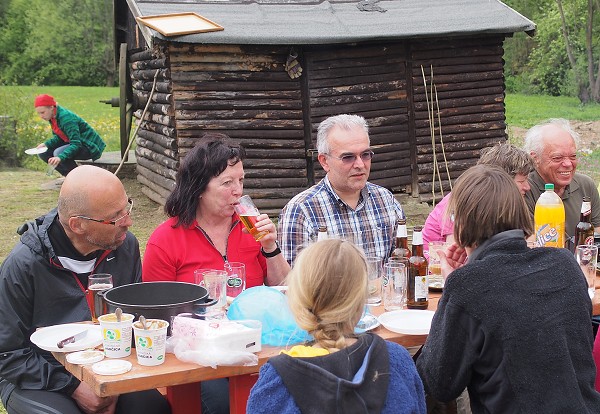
215, 342
271, 308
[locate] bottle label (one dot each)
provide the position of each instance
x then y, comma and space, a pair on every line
401, 231
417, 238
546, 234
586, 208
421, 288
589, 240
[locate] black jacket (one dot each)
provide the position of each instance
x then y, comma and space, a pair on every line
35, 291
514, 327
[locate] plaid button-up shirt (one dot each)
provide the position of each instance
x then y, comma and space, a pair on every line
370, 226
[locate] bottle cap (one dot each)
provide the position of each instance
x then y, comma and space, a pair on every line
549, 186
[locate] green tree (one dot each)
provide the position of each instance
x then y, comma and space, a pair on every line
68, 43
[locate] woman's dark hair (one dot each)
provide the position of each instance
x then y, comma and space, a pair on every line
208, 159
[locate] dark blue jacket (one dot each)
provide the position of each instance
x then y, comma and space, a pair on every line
35, 292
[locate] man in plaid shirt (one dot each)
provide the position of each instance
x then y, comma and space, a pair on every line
350, 207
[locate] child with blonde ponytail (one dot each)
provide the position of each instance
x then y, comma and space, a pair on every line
340, 371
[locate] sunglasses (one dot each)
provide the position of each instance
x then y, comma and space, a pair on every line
351, 158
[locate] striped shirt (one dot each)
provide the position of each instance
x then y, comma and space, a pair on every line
370, 226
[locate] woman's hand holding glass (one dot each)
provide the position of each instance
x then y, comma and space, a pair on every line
264, 223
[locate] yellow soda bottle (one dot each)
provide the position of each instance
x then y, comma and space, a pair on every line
549, 219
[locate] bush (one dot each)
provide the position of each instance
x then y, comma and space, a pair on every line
21, 118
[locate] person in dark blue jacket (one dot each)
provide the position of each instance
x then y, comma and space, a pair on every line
43, 282
339, 372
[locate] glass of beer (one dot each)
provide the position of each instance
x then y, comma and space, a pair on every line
248, 213
434, 266
587, 257
97, 284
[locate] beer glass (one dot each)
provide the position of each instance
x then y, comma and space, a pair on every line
394, 285
248, 213
98, 283
587, 257
434, 266
374, 271
236, 278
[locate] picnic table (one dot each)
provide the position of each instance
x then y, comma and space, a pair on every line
181, 379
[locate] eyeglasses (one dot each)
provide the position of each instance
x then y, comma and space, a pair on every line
351, 158
115, 222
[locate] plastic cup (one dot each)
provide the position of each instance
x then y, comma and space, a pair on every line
248, 214
150, 343
116, 336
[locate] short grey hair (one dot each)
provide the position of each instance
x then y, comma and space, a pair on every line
534, 142
71, 205
343, 121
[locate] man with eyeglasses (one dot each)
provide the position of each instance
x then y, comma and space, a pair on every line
43, 282
344, 201
553, 148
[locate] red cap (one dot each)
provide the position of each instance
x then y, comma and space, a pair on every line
44, 100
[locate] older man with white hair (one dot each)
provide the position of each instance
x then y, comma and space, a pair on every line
553, 148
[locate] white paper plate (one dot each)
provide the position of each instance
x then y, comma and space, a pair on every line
46, 338
89, 356
35, 151
111, 367
407, 321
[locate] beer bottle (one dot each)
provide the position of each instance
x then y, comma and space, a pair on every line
322, 233
401, 249
418, 286
584, 232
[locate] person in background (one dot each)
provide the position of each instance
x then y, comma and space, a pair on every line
553, 147
43, 282
344, 201
203, 231
439, 226
72, 137
339, 372
513, 324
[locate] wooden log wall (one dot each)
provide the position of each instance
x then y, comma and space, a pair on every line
244, 92
368, 80
469, 81
157, 150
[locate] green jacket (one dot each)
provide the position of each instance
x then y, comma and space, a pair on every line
79, 133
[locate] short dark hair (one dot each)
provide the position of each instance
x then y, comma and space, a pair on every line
209, 158
485, 201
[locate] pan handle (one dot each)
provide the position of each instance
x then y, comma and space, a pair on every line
200, 308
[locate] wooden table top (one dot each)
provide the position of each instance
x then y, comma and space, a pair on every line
175, 372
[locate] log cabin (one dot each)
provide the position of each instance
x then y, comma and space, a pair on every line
426, 74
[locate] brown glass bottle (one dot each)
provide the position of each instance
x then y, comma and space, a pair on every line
401, 250
584, 232
418, 286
